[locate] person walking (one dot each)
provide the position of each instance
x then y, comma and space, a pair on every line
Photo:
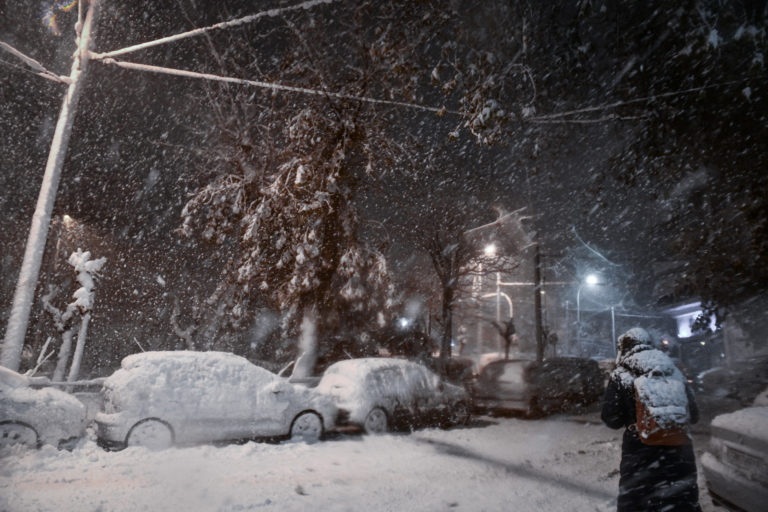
655, 475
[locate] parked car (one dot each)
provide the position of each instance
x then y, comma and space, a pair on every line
523, 385
159, 399
736, 465
34, 417
740, 382
377, 395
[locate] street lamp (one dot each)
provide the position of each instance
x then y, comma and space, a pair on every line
590, 280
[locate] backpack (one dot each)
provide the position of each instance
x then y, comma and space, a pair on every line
661, 406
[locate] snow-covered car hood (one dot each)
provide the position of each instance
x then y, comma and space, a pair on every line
54, 414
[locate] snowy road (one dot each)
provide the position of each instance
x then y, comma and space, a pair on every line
495, 464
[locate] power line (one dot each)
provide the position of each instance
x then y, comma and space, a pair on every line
266, 85
218, 26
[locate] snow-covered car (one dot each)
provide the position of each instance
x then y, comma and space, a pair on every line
523, 385
159, 399
736, 465
33, 417
377, 395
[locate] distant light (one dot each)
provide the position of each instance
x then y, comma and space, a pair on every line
404, 322
591, 279
703, 343
490, 250
665, 342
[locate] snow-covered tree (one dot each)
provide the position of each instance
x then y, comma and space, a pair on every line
284, 173
87, 270
66, 320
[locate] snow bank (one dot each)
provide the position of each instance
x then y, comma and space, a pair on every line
513, 464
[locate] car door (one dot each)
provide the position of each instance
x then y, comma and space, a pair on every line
388, 388
226, 399
270, 400
429, 393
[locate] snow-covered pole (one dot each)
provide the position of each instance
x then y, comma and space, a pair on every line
33, 255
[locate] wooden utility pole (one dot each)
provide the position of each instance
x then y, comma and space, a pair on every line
38, 232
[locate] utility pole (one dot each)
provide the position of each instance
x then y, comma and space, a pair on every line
537, 302
38, 232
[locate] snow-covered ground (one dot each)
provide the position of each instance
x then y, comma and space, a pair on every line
558, 464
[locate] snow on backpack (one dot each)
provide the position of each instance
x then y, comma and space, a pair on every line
661, 406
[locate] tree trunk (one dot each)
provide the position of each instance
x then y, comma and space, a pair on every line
78, 357
445, 343
64, 351
305, 364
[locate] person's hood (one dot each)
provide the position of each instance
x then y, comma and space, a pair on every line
632, 341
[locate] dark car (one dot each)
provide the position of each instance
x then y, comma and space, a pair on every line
741, 381
523, 385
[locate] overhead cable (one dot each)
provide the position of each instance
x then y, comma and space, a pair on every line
218, 26
268, 85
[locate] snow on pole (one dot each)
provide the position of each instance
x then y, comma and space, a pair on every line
33, 254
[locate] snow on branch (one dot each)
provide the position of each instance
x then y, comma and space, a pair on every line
86, 269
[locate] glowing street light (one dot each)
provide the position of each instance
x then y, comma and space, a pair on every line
589, 280
490, 250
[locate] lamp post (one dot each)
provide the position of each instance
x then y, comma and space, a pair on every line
590, 280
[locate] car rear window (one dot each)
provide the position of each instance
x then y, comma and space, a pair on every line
513, 373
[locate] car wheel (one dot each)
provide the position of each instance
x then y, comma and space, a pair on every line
376, 422
13, 433
534, 409
151, 433
307, 427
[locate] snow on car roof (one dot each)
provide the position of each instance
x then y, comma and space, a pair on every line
179, 358
750, 422
359, 368
187, 368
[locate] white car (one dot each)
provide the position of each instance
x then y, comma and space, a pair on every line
34, 417
159, 399
736, 466
378, 394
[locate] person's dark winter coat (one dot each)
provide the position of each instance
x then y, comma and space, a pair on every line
652, 478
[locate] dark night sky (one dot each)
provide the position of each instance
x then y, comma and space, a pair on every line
129, 168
